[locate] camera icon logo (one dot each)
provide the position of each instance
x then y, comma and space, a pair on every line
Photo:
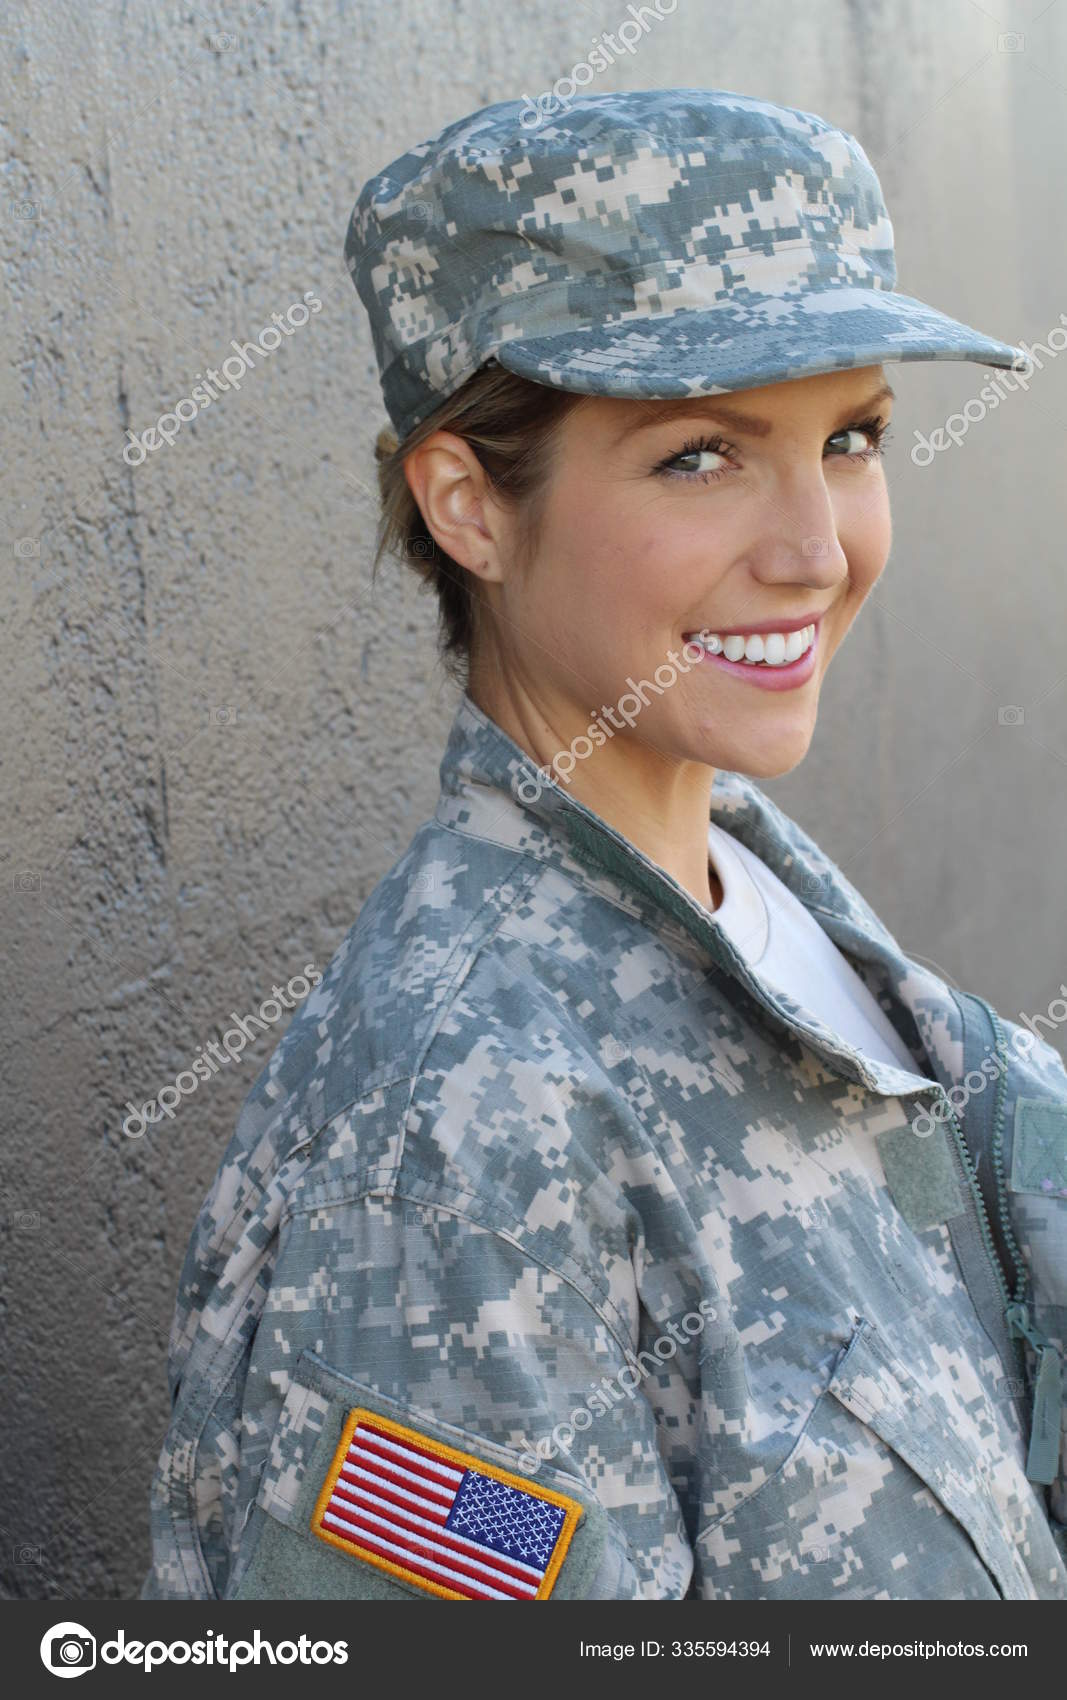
68, 1649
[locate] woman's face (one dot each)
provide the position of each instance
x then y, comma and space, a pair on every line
743, 514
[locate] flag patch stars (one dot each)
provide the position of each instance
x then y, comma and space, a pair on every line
452, 1524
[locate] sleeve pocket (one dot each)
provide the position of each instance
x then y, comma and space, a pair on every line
362, 1497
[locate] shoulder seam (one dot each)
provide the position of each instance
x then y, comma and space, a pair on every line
391, 1193
523, 883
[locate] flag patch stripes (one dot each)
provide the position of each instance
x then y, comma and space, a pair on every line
447, 1521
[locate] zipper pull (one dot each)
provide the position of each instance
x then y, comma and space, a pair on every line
1043, 1457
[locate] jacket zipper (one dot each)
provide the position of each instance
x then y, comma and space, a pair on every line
1042, 1462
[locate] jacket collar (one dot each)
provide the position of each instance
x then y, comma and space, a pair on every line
492, 790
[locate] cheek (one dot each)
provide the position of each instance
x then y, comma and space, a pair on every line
610, 568
866, 538
641, 565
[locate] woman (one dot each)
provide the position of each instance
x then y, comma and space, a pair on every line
602, 1227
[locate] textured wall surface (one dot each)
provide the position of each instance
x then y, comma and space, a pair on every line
218, 734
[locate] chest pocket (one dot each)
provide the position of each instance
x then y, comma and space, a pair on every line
362, 1498
844, 1515
992, 1503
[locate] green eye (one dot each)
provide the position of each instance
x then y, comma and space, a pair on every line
692, 459
874, 429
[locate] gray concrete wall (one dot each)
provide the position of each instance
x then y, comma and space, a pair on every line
217, 737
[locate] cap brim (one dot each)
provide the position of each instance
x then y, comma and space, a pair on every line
745, 344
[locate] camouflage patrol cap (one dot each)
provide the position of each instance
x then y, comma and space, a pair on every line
654, 243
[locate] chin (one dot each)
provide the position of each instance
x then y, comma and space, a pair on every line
766, 760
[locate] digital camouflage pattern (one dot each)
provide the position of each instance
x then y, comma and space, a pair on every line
661, 242
543, 1166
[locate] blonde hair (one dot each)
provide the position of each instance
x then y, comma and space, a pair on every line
510, 424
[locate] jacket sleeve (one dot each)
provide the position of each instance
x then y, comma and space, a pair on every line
1035, 1159
443, 1326
224, 1281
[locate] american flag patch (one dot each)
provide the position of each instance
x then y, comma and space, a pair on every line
451, 1523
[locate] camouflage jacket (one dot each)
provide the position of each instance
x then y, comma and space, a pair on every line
545, 1184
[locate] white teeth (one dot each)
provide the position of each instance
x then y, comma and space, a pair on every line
772, 649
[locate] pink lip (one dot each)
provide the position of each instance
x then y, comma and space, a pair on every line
784, 678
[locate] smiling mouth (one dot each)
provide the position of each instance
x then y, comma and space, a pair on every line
758, 649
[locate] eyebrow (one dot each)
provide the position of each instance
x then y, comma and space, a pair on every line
745, 424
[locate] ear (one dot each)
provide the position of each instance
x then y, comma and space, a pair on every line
456, 501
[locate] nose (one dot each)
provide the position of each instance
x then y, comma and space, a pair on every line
797, 540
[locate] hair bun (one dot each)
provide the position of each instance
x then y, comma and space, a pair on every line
386, 443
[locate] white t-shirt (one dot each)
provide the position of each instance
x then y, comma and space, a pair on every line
784, 944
